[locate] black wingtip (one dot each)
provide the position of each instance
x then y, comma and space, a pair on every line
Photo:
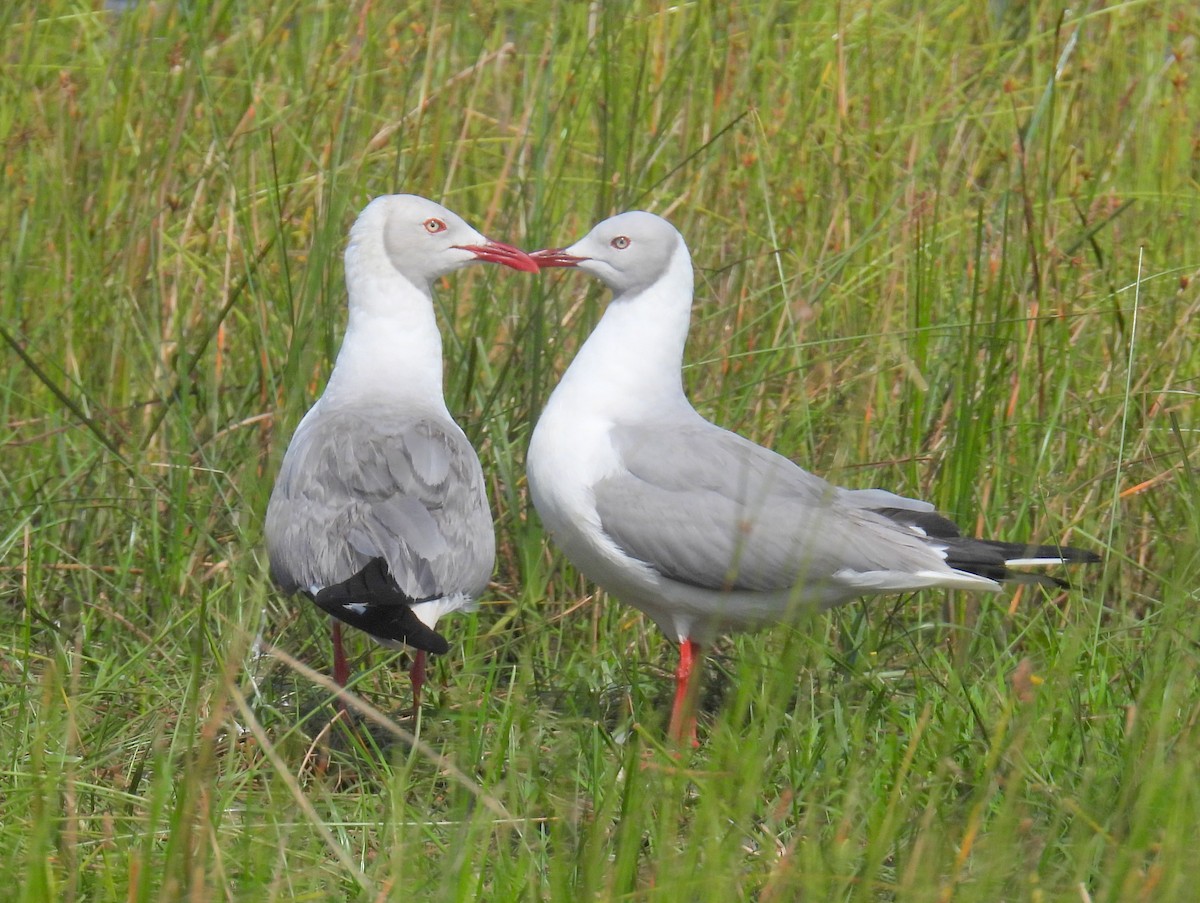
995, 559
1065, 554
988, 557
414, 633
371, 602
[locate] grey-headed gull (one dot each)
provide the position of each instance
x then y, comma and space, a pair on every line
700, 528
379, 514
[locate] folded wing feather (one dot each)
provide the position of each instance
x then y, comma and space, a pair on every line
356, 485
740, 516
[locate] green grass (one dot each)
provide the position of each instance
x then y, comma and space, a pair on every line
947, 249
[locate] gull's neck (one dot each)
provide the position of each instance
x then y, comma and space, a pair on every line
392, 351
631, 365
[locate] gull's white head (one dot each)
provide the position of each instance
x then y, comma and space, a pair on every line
627, 252
422, 241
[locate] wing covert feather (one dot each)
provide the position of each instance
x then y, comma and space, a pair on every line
707, 507
359, 484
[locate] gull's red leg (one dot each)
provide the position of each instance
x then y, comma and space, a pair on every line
417, 675
687, 682
341, 670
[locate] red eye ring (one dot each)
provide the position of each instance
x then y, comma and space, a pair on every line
621, 242
433, 226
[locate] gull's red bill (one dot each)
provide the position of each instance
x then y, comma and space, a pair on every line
556, 257
498, 252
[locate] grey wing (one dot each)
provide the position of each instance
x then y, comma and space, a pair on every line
361, 485
709, 508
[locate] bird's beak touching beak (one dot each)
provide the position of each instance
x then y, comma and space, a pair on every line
556, 257
498, 252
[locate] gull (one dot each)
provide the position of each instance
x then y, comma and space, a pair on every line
703, 530
379, 513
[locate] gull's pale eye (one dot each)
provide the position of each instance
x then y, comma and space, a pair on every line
433, 226
621, 242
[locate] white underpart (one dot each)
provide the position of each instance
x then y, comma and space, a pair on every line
429, 612
907, 581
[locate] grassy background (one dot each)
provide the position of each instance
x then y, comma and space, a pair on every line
947, 249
